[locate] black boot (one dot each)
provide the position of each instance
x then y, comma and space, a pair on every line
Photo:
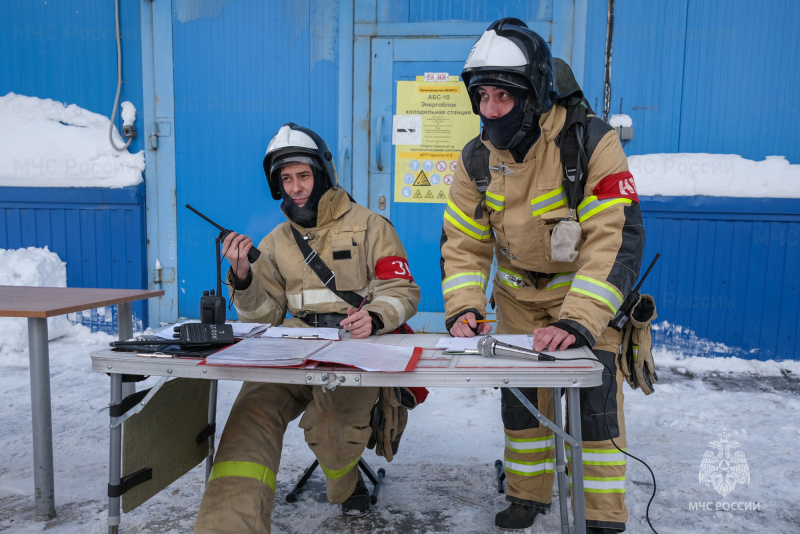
520, 514
359, 502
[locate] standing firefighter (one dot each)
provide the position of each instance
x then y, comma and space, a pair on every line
369, 261
562, 273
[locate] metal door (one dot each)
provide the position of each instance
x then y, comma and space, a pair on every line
404, 57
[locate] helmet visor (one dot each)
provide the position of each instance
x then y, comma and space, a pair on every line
293, 159
498, 79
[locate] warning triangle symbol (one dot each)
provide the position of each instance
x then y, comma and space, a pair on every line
429, 195
417, 194
422, 179
441, 195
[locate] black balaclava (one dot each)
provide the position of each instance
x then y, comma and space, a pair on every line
501, 130
307, 215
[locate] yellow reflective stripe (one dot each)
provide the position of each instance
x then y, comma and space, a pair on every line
636, 352
600, 456
496, 202
460, 220
531, 445
333, 474
602, 484
253, 470
597, 290
527, 469
561, 280
592, 206
474, 278
510, 278
548, 201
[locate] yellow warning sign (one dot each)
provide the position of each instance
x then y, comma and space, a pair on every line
442, 115
422, 179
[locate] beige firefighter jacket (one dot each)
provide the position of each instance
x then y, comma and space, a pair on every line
360, 238
516, 220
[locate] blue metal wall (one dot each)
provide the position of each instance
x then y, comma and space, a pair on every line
728, 274
701, 75
241, 71
66, 50
98, 232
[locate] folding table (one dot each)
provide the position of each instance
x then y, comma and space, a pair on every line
435, 369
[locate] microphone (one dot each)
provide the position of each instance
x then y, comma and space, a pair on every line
491, 348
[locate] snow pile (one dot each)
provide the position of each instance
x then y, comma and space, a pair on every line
615, 121
30, 267
44, 143
715, 175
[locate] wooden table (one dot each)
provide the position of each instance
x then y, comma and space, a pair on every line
37, 304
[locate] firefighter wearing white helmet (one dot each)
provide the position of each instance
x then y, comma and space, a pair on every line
370, 265
508, 212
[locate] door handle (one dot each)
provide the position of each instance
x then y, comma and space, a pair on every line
379, 143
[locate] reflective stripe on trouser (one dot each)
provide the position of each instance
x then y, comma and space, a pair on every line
240, 493
515, 317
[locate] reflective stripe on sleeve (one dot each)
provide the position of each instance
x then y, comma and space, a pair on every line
458, 219
333, 474
252, 470
561, 280
531, 445
496, 202
592, 206
600, 456
460, 280
548, 201
597, 290
602, 484
510, 278
528, 469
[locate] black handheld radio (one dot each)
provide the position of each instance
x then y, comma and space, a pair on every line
624, 312
252, 255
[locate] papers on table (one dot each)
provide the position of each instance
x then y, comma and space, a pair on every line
290, 352
469, 345
303, 333
240, 330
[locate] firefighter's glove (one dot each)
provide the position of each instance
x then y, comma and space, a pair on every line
637, 346
388, 421
565, 241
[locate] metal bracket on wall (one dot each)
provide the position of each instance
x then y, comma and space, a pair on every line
158, 129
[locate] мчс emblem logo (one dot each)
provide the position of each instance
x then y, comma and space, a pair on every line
724, 468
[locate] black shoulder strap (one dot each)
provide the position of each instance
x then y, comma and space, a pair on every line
327, 276
573, 155
476, 161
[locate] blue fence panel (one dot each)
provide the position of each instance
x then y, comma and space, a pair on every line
98, 232
727, 282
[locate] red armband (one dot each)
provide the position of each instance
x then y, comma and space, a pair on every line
393, 267
619, 185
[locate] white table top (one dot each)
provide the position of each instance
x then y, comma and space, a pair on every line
434, 369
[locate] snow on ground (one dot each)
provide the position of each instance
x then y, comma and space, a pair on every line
442, 480
44, 143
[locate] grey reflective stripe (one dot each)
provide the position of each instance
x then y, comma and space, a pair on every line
496, 202
592, 205
463, 279
548, 201
458, 219
561, 280
597, 290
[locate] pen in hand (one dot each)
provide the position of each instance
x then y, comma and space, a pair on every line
481, 321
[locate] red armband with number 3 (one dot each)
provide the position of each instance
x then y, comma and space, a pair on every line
393, 267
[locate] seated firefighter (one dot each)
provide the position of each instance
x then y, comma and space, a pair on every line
371, 266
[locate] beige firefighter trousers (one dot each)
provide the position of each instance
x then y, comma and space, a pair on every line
530, 452
241, 489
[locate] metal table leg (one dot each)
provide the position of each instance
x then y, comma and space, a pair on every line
39, 356
578, 502
114, 456
561, 464
125, 329
212, 420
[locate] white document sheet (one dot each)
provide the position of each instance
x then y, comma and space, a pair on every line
366, 356
469, 345
302, 333
268, 352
